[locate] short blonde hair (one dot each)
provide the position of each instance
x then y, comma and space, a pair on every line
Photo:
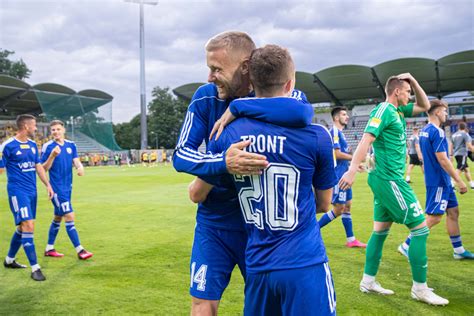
232, 41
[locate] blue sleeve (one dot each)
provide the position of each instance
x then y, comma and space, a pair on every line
45, 152
220, 145
3, 153
437, 138
74, 151
186, 157
325, 174
37, 155
285, 115
335, 138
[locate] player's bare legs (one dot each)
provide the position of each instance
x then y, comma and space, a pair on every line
200, 307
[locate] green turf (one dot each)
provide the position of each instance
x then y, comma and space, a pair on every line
139, 224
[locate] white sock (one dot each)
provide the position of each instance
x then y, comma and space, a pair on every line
35, 267
368, 278
420, 286
407, 178
351, 239
459, 250
472, 183
9, 260
49, 247
79, 248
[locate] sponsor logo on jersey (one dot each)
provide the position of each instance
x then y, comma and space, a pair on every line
24, 146
18, 153
26, 166
375, 122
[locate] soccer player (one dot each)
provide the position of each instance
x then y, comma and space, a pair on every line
21, 159
220, 238
341, 200
440, 197
414, 152
461, 142
287, 269
394, 200
58, 156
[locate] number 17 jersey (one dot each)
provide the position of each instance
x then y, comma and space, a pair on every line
279, 206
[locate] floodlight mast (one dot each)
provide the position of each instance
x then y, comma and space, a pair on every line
143, 121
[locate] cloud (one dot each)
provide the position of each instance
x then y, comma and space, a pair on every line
95, 44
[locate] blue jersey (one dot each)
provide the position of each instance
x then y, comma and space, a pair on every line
60, 173
221, 208
340, 143
279, 206
20, 159
432, 141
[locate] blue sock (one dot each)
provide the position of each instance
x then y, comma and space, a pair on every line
456, 241
53, 232
347, 222
327, 218
72, 233
15, 244
29, 246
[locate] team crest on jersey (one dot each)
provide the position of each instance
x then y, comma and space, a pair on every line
69, 150
24, 146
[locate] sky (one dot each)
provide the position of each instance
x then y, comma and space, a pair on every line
94, 44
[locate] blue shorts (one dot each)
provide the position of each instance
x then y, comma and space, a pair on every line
23, 206
304, 291
62, 203
439, 199
214, 256
341, 196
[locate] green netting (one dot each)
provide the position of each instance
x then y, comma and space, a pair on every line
88, 119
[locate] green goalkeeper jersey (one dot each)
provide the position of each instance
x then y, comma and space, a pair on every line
387, 123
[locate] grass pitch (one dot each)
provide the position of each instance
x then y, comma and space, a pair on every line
139, 224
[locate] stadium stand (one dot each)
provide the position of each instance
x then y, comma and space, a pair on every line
88, 112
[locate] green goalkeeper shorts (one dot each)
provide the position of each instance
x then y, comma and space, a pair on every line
395, 201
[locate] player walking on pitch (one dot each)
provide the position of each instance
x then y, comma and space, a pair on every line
461, 142
341, 199
440, 196
58, 157
394, 200
21, 159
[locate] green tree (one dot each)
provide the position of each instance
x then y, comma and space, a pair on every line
127, 135
165, 117
17, 69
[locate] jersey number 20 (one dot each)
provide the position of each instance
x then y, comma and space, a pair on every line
277, 176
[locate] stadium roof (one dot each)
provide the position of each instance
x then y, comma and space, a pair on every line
339, 84
18, 97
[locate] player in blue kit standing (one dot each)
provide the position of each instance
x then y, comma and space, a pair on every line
341, 199
58, 156
440, 196
220, 239
21, 159
287, 269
